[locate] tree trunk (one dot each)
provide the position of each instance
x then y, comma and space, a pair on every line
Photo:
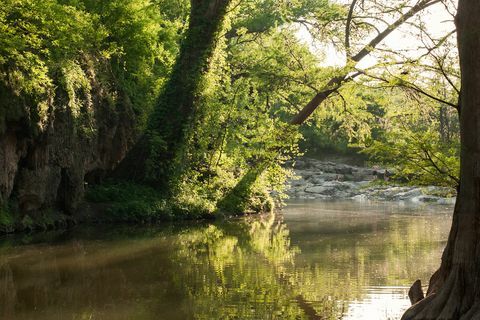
240, 191
152, 158
454, 290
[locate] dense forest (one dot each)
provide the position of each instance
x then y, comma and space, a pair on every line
142, 111
165, 109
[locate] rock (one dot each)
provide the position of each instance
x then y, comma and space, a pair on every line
298, 183
331, 188
338, 185
318, 179
391, 193
31, 193
447, 201
12, 149
306, 174
342, 194
316, 189
409, 194
299, 164
360, 197
322, 196
48, 169
363, 183
426, 198
301, 195
326, 180
333, 177
344, 170
329, 169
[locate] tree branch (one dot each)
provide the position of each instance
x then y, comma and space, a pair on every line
337, 81
348, 28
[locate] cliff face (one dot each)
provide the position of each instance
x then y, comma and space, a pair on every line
77, 81
77, 144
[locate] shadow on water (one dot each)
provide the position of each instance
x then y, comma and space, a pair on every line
315, 260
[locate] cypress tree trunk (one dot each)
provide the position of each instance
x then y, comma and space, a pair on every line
454, 290
152, 159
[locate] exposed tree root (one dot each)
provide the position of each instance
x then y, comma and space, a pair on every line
452, 302
416, 293
455, 288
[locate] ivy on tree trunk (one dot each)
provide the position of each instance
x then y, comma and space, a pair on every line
154, 157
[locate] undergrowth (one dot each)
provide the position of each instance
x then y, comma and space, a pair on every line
130, 202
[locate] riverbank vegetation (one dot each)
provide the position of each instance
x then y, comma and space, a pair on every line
162, 108
205, 98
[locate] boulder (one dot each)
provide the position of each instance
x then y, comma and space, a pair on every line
343, 169
326, 179
409, 194
317, 189
447, 201
338, 185
427, 199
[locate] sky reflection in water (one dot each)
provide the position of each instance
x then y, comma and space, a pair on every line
316, 260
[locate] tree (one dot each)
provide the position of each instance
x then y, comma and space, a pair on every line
353, 59
153, 157
418, 135
454, 290
399, 14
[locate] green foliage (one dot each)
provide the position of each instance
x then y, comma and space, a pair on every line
49, 47
6, 219
127, 48
242, 108
37, 39
231, 135
418, 138
143, 39
260, 16
418, 157
324, 137
42, 220
361, 111
395, 128
240, 125
178, 102
128, 202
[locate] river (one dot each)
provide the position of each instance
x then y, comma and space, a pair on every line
313, 260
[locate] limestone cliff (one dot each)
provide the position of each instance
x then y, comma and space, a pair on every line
46, 164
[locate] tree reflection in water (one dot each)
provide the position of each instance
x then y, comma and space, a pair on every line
252, 268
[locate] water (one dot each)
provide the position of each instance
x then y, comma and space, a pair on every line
316, 260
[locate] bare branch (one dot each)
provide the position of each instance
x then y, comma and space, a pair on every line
379, 38
348, 28
337, 81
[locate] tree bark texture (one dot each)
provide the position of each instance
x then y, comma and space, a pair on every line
454, 290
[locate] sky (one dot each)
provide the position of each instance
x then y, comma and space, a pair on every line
438, 22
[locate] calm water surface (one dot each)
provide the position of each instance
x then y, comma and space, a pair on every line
315, 260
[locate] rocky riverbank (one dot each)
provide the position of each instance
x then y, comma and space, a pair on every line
329, 180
